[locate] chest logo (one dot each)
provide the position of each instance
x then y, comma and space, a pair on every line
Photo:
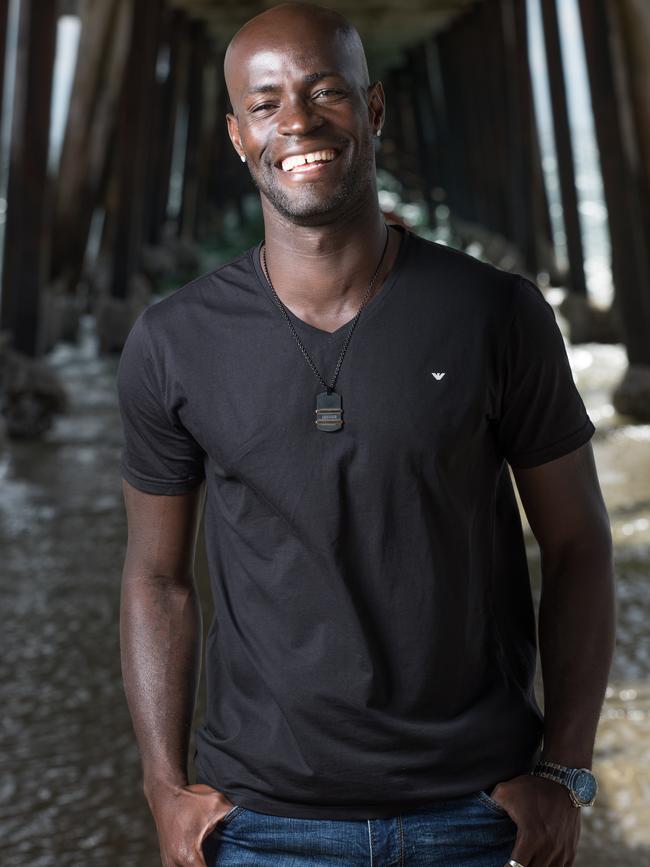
437, 375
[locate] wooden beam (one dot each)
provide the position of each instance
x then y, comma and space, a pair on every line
170, 94
26, 251
209, 141
4, 11
630, 259
98, 75
564, 148
425, 122
521, 131
635, 29
195, 123
219, 153
132, 144
479, 137
434, 80
452, 97
492, 69
382, 23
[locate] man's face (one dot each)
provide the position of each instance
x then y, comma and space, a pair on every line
298, 97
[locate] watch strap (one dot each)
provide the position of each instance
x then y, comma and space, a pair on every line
559, 774
553, 771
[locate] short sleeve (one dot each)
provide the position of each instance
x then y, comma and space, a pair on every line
542, 415
159, 456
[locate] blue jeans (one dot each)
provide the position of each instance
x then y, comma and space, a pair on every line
467, 831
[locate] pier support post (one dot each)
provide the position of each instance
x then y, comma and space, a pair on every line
195, 124
564, 148
618, 146
26, 245
90, 126
170, 93
124, 229
521, 129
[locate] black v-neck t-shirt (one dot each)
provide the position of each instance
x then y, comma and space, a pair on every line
373, 642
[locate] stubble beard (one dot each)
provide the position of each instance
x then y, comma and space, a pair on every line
307, 201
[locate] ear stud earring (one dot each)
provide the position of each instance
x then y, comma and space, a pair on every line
378, 132
243, 158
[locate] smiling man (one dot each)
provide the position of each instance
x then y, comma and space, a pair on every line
349, 397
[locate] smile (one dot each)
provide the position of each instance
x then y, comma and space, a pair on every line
308, 163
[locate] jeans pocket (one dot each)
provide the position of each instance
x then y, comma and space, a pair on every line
230, 815
489, 802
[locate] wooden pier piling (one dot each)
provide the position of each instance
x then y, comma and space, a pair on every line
27, 230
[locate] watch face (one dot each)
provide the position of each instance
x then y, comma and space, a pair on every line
585, 786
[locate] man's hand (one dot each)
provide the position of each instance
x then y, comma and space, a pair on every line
548, 825
184, 817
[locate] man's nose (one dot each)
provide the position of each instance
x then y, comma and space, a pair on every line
298, 117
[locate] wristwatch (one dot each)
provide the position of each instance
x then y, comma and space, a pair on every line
580, 782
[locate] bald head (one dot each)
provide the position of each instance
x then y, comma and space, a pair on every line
293, 27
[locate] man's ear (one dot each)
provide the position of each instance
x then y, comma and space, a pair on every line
376, 105
233, 132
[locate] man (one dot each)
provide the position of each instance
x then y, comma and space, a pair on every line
349, 396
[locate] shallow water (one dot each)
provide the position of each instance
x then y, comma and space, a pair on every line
616, 830
70, 788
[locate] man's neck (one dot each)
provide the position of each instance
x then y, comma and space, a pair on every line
322, 272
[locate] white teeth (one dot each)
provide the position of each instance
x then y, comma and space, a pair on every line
300, 159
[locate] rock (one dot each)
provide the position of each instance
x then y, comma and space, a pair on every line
61, 312
157, 262
632, 395
115, 316
590, 324
185, 255
30, 393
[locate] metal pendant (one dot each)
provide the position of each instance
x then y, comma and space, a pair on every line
329, 414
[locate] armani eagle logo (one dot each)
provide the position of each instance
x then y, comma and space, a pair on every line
437, 375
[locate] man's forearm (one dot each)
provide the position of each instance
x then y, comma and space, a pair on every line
577, 622
160, 641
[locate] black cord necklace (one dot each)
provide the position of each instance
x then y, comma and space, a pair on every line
329, 412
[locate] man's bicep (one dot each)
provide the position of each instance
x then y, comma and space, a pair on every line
162, 532
563, 500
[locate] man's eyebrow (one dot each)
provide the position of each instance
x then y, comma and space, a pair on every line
311, 78
317, 76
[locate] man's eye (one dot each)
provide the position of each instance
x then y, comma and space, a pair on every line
327, 91
330, 90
